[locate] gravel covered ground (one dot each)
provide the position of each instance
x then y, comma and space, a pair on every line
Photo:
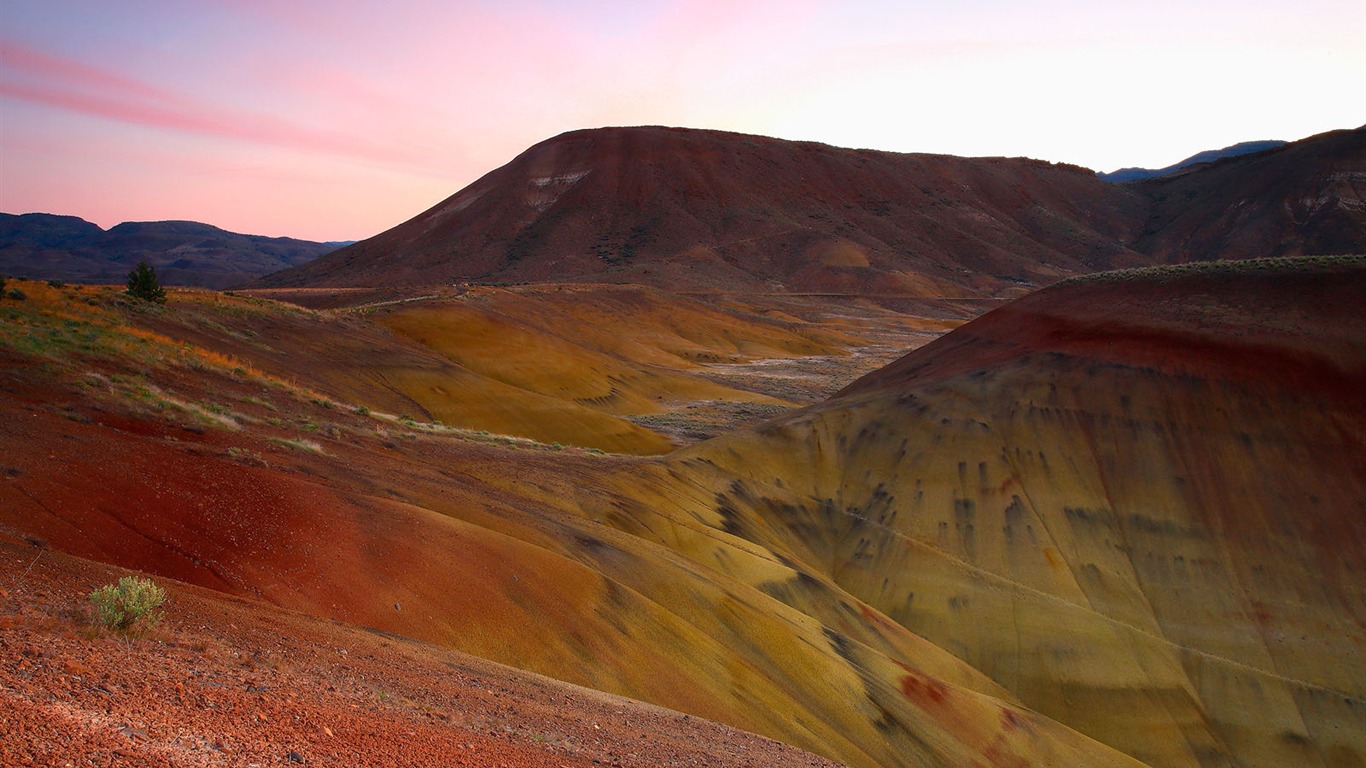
230, 682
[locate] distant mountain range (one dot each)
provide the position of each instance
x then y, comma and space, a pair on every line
47, 246
1200, 158
706, 210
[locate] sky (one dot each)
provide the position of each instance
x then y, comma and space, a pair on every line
338, 119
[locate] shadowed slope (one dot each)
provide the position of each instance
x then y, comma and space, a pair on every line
1133, 501
1304, 198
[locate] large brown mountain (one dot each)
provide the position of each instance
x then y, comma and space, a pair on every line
704, 209
692, 209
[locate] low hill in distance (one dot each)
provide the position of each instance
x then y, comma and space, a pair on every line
49, 247
1015, 545
1199, 158
695, 210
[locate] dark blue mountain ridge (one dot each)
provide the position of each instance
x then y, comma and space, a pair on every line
52, 247
1199, 158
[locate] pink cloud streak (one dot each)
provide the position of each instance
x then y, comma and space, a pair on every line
53, 81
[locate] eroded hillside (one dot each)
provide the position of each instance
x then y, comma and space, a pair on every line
1117, 521
1135, 502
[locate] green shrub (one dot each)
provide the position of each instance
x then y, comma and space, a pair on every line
142, 284
18, 295
133, 602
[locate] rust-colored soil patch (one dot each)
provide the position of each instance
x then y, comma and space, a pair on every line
231, 682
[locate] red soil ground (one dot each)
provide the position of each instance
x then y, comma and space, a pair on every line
225, 681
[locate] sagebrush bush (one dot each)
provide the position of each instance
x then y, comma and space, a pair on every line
134, 602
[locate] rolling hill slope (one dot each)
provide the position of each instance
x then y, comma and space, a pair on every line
1117, 522
1134, 501
132, 446
1303, 198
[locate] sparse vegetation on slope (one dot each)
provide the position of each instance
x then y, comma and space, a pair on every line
1265, 264
133, 605
233, 682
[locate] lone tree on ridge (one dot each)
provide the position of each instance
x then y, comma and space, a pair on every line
142, 283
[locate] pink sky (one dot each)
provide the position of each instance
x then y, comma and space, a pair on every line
337, 120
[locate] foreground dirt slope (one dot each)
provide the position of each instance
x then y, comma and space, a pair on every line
1135, 502
232, 682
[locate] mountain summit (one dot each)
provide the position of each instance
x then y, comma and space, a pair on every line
695, 209
706, 210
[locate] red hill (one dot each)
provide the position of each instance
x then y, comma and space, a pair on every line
706, 210
692, 209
